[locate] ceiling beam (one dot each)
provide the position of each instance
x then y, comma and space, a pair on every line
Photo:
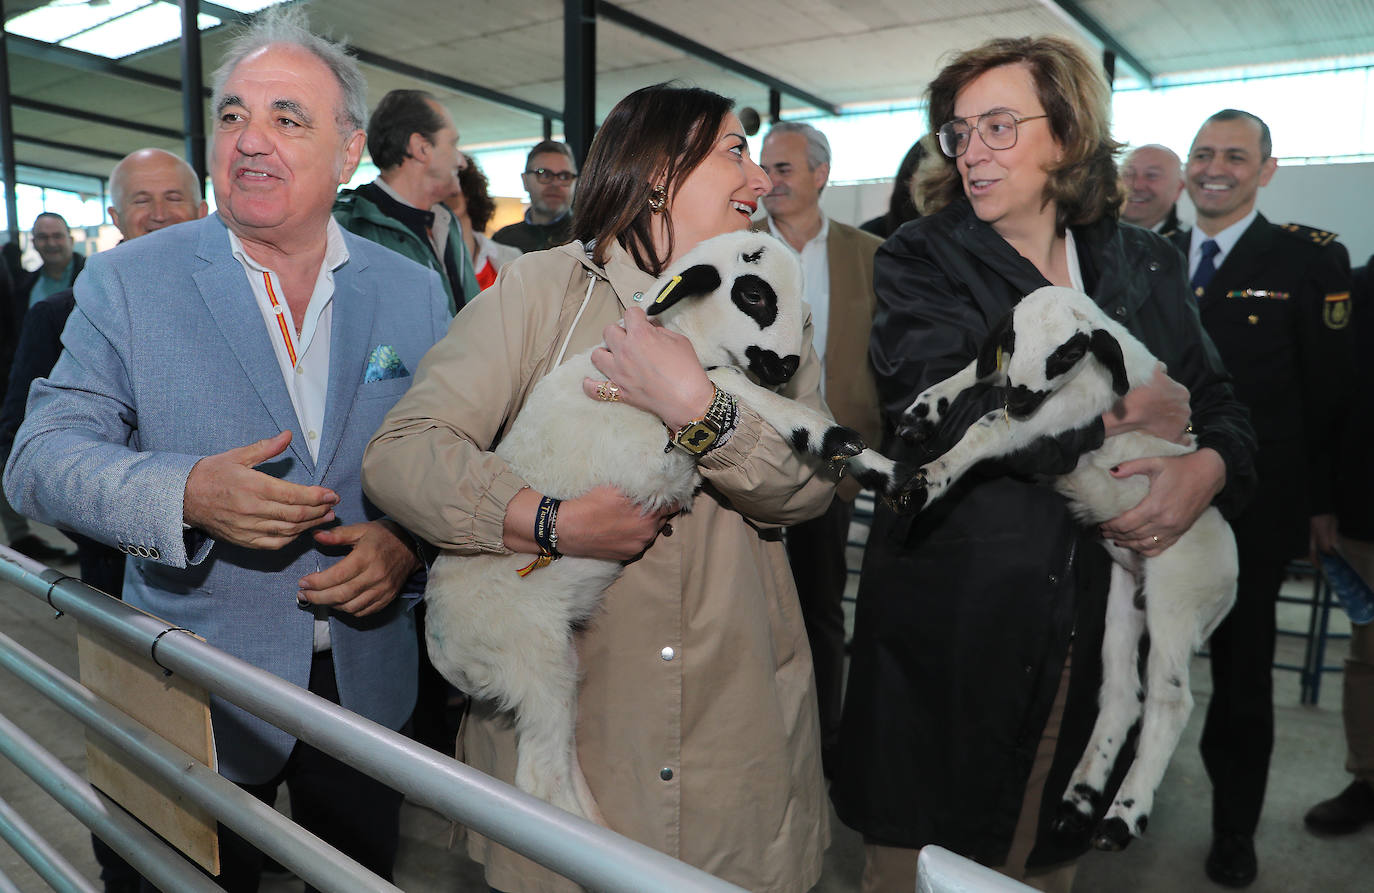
395, 66
69, 58
1076, 15
51, 108
627, 19
68, 147
457, 85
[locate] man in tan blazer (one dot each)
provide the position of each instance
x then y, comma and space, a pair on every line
837, 261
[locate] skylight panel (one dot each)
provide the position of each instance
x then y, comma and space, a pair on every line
115, 28
62, 18
154, 24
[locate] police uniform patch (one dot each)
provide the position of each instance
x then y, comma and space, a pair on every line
1309, 233
1336, 310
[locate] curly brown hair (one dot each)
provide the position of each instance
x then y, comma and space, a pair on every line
480, 204
1077, 100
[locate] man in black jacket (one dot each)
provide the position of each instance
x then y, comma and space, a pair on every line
53, 241
1276, 301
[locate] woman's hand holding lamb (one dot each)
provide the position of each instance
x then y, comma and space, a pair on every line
603, 523
652, 369
1181, 489
1159, 408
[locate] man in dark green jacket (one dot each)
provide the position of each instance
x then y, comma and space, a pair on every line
412, 139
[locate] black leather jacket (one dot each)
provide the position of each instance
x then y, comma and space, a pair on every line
967, 612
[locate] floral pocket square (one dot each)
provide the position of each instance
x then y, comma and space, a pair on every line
384, 363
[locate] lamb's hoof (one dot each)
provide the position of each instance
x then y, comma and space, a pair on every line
910, 496
915, 431
1070, 822
1113, 835
840, 443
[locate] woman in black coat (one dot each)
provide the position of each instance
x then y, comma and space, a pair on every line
962, 721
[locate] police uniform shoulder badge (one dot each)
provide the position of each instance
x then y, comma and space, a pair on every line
1336, 310
1309, 234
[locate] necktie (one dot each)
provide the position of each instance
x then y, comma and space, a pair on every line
1205, 268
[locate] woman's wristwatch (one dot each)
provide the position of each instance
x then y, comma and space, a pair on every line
700, 436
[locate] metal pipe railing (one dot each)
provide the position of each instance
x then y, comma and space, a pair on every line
586, 853
50, 865
111, 824
310, 858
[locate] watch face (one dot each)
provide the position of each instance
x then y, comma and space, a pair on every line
697, 437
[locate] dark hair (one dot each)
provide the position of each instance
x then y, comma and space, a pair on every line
1073, 90
396, 117
479, 204
547, 147
655, 136
901, 205
1266, 140
55, 216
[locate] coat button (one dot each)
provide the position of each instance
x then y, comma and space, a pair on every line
1154, 266
1053, 579
639, 296
667, 653
1254, 320
665, 773
1121, 313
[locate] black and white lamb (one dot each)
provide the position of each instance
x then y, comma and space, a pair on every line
1063, 363
507, 638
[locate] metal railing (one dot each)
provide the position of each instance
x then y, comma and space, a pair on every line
588, 854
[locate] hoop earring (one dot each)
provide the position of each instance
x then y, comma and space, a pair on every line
658, 197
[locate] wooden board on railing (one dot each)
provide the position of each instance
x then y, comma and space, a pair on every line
174, 708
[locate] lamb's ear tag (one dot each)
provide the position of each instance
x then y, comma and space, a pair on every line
668, 289
1001, 359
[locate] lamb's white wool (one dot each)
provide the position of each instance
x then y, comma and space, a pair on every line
507, 638
1063, 363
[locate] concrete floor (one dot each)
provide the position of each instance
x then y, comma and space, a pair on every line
1307, 767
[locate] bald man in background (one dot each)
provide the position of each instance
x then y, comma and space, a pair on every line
1153, 175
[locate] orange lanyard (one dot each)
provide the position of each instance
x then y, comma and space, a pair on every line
281, 318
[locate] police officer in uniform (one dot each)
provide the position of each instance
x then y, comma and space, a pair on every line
1276, 301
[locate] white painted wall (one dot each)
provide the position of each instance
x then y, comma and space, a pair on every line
1335, 197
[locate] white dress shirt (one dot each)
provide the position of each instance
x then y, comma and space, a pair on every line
1226, 240
303, 359
815, 283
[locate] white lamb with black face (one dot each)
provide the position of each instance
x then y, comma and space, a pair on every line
508, 638
1063, 363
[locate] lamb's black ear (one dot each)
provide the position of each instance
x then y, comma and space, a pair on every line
692, 282
1000, 341
1107, 351
1065, 356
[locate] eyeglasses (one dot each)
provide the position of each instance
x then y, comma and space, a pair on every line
997, 130
546, 176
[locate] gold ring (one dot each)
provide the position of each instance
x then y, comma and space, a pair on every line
1156, 539
608, 391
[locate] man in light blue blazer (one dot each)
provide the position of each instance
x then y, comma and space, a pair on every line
219, 381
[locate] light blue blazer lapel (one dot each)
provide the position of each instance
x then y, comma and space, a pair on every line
224, 287
354, 308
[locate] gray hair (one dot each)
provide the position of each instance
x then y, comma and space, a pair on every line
817, 146
283, 25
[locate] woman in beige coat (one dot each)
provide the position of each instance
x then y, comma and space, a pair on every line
697, 724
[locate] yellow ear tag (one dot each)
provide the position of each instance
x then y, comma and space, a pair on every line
1001, 359
672, 284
